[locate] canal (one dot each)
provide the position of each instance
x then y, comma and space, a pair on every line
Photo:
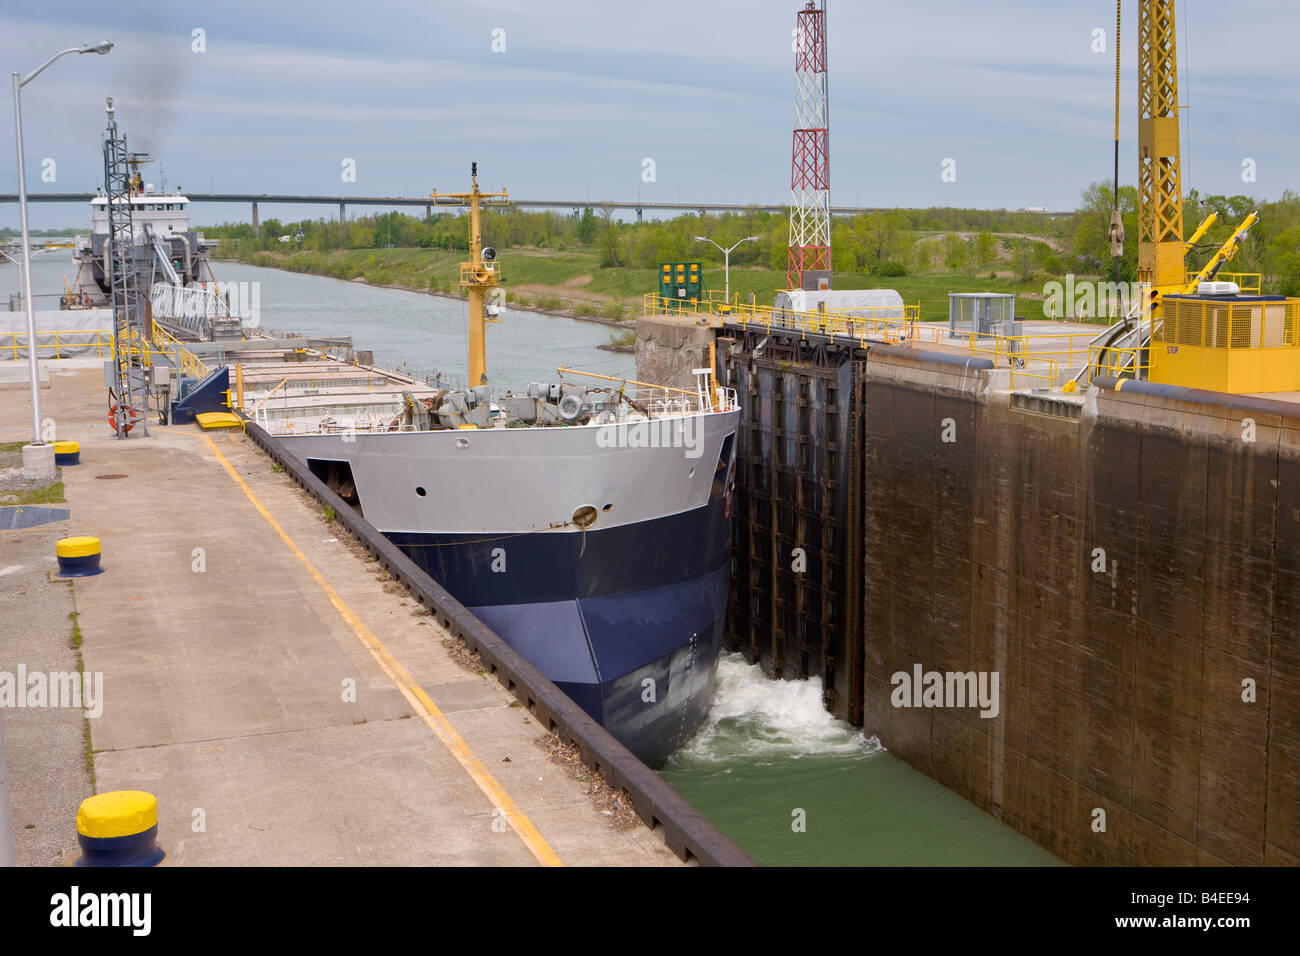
775, 772
419, 332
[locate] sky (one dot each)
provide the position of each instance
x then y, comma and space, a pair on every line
572, 98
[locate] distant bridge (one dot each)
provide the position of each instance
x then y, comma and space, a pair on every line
257, 199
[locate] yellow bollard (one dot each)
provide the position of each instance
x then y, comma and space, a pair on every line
78, 557
67, 453
119, 828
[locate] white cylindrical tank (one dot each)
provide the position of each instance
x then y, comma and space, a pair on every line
872, 303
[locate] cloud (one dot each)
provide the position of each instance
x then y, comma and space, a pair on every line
1011, 89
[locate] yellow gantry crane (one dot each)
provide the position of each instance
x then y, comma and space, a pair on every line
1207, 341
480, 274
1191, 342
1161, 249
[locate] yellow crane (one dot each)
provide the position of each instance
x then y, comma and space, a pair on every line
1201, 230
1224, 253
1130, 347
1160, 187
1162, 251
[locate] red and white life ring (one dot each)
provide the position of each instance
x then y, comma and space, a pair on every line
129, 418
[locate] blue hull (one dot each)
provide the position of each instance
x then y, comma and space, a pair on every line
627, 621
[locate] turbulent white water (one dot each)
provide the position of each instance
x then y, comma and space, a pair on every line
761, 719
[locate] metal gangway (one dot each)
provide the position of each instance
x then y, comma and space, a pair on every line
195, 311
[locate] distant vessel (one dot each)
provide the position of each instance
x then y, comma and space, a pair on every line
172, 263
587, 524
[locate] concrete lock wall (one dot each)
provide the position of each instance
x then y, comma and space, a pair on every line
966, 532
667, 351
1121, 689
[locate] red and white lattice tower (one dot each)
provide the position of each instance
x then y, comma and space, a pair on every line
810, 170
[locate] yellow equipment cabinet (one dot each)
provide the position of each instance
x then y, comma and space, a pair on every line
1239, 344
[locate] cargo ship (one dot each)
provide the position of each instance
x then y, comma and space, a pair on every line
587, 523
172, 262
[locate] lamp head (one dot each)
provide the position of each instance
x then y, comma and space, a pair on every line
102, 47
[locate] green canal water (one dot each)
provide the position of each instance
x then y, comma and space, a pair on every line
769, 749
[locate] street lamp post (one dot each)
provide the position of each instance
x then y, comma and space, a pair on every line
38, 458
726, 259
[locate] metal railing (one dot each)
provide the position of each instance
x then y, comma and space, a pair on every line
1250, 283
196, 309
664, 399
362, 423
1047, 375
185, 361
1121, 362
64, 340
471, 274
1069, 349
1038, 359
888, 324
1230, 325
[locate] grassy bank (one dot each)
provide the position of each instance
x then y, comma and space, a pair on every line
573, 281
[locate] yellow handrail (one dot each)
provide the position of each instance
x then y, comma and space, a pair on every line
890, 323
1112, 364
185, 361
101, 341
1038, 357
1249, 283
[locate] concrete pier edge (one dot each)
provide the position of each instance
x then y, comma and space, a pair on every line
684, 829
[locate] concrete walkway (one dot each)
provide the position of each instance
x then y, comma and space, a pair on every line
241, 688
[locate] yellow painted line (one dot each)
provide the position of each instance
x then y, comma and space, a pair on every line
413, 692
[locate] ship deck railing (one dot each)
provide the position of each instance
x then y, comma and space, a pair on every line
351, 419
364, 424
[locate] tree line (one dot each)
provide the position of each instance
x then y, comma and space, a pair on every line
884, 243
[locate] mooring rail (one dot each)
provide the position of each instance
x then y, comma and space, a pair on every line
684, 829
